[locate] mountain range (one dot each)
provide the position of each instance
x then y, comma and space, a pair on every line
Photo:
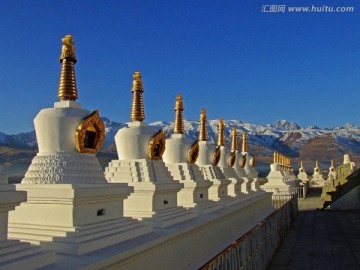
300, 143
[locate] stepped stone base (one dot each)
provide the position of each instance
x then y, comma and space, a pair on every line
13, 253
154, 199
219, 190
317, 180
17, 255
74, 219
194, 195
235, 186
303, 176
279, 183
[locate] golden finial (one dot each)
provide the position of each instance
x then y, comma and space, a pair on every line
301, 164
67, 85
179, 119
244, 142
137, 108
316, 163
203, 134
221, 139
332, 163
234, 134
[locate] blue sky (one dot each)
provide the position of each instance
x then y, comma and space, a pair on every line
227, 56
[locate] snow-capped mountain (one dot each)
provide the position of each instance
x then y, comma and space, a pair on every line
309, 144
284, 136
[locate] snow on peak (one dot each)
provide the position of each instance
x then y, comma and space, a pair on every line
285, 125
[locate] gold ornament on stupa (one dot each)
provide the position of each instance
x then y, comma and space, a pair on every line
244, 142
179, 118
137, 108
234, 134
203, 134
221, 137
332, 163
67, 85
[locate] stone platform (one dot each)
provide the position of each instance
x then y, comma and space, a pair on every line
320, 239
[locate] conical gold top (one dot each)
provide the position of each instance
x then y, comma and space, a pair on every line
137, 108
316, 163
221, 137
244, 142
234, 134
332, 163
203, 134
179, 118
67, 85
301, 164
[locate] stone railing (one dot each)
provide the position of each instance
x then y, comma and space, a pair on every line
255, 249
338, 186
299, 192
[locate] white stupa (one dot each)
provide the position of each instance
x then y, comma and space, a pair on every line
302, 173
317, 179
209, 157
180, 156
347, 160
227, 161
140, 149
249, 166
279, 178
332, 171
239, 166
71, 208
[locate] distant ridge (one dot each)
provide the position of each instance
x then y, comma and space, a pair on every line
308, 143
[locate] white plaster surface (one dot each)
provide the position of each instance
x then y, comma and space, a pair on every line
177, 148
279, 182
154, 199
55, 127
74, 219
302, 175
64, 168
186, 245
132, 142
194, 195
15, 254
235, 186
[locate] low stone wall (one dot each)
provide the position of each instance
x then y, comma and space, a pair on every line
187, 245
255, 249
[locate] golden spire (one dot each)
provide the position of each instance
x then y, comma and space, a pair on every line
234, 134
203, 134
179, 119
67, 85
221, 138
332, 163
301, 164
316, 163
244, 142
137, 108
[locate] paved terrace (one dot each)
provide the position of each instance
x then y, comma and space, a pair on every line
320, 239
